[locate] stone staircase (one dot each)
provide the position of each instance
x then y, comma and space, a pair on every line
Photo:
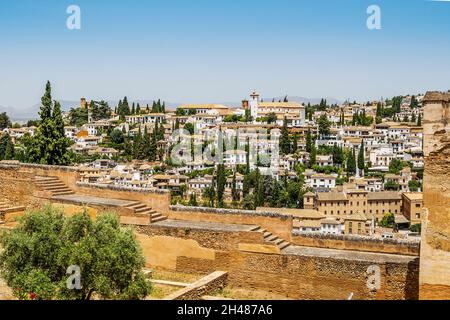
6, 207
142, 209
53, 185
270, 238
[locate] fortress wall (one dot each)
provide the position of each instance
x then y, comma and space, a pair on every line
435, 248
312, 277
17, 185
306, 273
344, 242
157, 200
280, 225
217, 240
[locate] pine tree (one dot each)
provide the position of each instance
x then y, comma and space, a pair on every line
138, 109
133, 109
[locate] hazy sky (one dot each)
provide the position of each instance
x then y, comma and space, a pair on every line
219, 50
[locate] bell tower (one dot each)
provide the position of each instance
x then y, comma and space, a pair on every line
254, 104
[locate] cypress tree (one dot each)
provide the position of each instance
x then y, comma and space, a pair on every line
49, 144
361, 164
285, 143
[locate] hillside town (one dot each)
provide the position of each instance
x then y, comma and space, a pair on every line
351, 168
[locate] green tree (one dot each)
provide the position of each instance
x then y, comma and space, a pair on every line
417, 228
388, 220
6, 147
37, 253
285, 142
351, 163
78, 117
221, 181
414, 185
295, 143
391, 186
324, 125
309, 141
271, 118
49, 144
312, 156
234, 191
5, 122
116, 136
193, 200
419, 120
361, 162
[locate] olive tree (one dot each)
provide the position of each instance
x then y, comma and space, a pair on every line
37, 255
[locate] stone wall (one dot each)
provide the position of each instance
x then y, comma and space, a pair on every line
17, 185
435, 248
314, 276
206, 285
278, 224
217, 240
357, 243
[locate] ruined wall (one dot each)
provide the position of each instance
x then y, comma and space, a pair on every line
280, 225
435, 248
347, 242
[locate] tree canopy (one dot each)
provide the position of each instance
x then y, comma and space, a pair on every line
49, 145
39, 251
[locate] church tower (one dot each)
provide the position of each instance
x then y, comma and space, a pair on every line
254, 105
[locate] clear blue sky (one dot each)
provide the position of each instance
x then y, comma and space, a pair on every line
219, 50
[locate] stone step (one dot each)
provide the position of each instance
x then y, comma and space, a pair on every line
12, 208
60, 190
272, 238
50, 188
62, 193
156, 215
256, 229
135, 206
41, 178
267, 234
278, 241
283, 245
158, 219
142, 209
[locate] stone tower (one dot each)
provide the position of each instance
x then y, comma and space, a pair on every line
254, 105
434, 275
